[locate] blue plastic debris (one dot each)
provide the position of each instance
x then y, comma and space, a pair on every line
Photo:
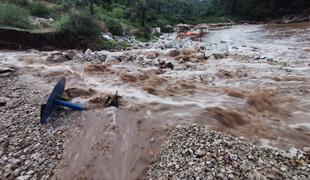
55, 100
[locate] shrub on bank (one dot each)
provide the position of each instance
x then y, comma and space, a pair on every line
14, 16
143, 34
78, 24
38, 9
117, 13
114, 27
78, 29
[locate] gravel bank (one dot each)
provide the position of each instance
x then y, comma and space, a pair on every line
197, 153
28, 150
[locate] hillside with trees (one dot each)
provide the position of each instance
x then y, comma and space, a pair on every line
87, 18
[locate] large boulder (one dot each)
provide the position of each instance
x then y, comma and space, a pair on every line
168, 45
97, 56
88, 54
219, 55
57, 57
70, 54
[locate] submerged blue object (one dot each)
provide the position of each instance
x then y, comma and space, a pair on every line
54, 100
69, 105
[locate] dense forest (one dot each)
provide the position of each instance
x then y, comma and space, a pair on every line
163, 12
256, 9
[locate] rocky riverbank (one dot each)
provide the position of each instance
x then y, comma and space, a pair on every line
195, 152
244, 81
29, 150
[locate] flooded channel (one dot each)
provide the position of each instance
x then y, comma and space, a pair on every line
249, 80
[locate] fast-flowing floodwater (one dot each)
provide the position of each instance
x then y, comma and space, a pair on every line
256, 86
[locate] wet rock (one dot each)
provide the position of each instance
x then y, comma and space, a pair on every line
186, 58
168, 45
219, 56
141, 59
107, 36
127, 57
208, 54
57, 57
70, 54
292, 152
200, 152
199, 56
161, 62
167, 65
306, 149
25, 177
174, 53
6, 71
96, 57
88, 53
3, 101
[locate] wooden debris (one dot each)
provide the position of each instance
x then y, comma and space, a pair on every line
112, 100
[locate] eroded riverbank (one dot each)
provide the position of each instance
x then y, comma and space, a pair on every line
250, 81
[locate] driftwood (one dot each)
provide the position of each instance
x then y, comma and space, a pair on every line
112, 100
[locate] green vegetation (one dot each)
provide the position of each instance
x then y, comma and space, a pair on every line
79, 29
12, 15
84, 19
114, 26
148, 13
38, 9
78, 24
254, 9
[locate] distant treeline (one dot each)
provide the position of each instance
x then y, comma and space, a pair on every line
255, 9
195, 11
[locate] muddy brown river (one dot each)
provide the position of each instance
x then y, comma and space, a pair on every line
256, 85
